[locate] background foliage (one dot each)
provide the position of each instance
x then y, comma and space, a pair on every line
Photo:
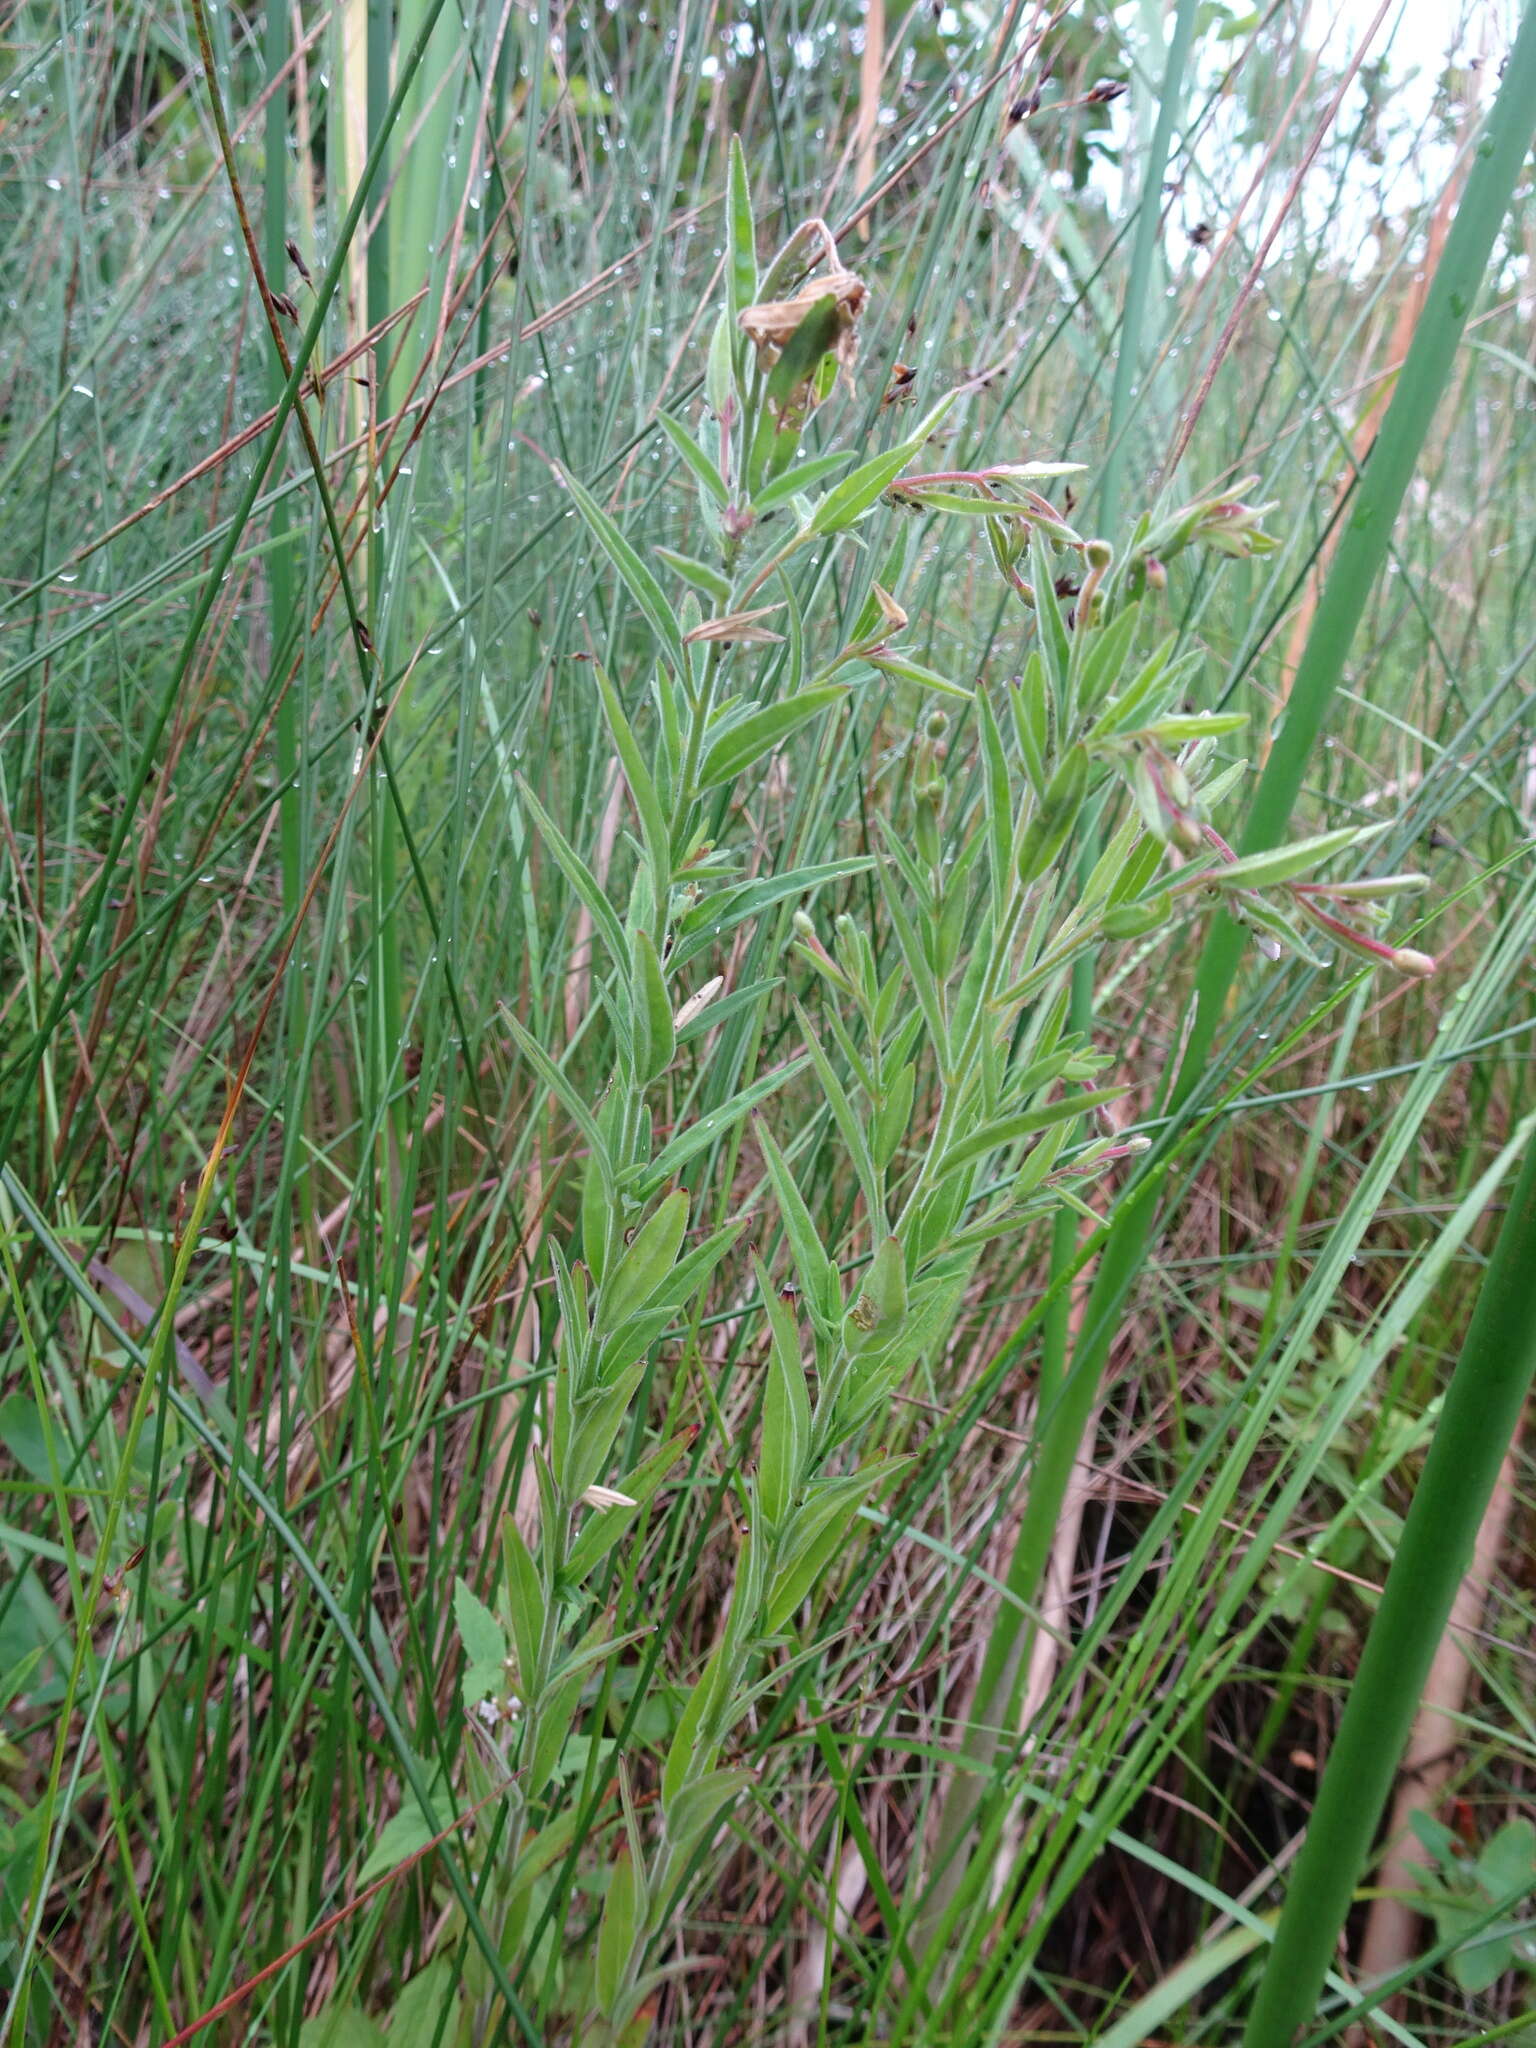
283, 920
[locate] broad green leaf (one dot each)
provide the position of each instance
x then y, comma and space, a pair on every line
485, 1645
427, 2009
342, 2026
399, 1838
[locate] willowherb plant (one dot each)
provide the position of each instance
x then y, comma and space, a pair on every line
984, 916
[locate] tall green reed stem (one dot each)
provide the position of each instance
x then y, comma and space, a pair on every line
1481, 1409
281, 563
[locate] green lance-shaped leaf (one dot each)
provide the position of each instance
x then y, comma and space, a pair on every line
894, 1115
847, 502
741, 235
577, 873
1055, 641
695, 1137
557, 1716
642, 585
642, 787
813, 1540
998, 790
1179, 728
691, 1753
525, 1598
698, 1806
1135, 920
599, 1213
804, 476
650, 1010
1031, 701
596, 1424
694, 1268
630, 1340
623, 1913
701, 928
749, 738
709, 479
1100, 654
1282, 933
814, 336
881, 1302
646, 1261
786, 1407
818, 1275
1284, 863
906, 670
560, 1087
1146, 693
1048, 830
845, 1116
1008, 1129
603, 1528
719, 368
791, 390
700, 574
